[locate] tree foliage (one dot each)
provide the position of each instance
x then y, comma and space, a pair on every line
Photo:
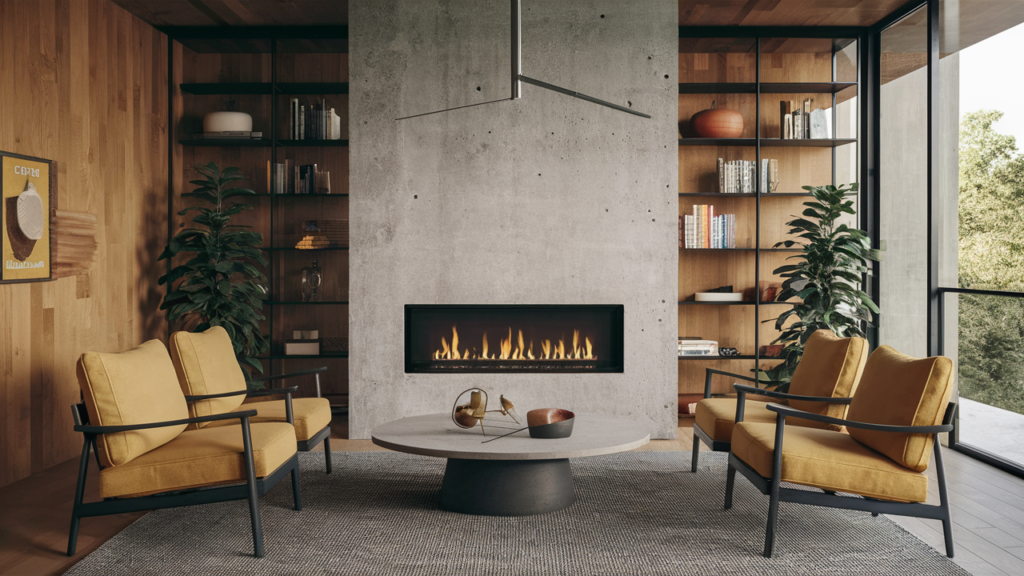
825, 276
220, 284
991, 256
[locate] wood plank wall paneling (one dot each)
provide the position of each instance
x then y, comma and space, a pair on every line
82, 82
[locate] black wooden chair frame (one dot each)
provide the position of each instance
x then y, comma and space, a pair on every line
701, 435
254, 487
827, 498
323, 435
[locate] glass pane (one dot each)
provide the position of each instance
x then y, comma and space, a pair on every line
990, 331
903, 185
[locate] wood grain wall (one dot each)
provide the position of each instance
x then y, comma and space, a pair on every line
82, 82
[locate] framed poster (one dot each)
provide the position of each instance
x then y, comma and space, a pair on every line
26, 218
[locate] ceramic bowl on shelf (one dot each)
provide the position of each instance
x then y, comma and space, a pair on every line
227, 122
718, 297
717, 123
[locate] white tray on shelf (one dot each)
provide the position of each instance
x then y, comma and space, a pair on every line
718, 297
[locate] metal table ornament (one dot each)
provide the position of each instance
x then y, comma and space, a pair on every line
466, 415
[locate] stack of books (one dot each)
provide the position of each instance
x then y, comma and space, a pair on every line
739, 176
228, 135
703, 229
284, 178
801, 121
315, 241
313, 122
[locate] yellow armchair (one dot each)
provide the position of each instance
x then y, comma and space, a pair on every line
895, 417
153, 455
206, 367
831, 367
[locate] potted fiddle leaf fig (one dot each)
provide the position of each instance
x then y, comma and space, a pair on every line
220, 285
826, 278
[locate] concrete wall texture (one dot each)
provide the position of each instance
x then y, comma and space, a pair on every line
543, 200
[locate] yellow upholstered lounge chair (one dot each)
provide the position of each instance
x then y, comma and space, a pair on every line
136, 418
206, 367
830, 368
897, 413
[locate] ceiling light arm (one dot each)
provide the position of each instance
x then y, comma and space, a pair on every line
517, 44
576, 94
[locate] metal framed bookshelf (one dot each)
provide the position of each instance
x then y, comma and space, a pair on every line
752, 70
257, 70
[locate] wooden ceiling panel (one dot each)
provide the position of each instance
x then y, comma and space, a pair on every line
238, 12
784, 12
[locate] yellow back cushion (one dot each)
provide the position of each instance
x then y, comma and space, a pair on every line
206, 364
830, 367
133, 387
901, 390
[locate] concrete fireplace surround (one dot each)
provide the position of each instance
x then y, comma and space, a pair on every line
543, 200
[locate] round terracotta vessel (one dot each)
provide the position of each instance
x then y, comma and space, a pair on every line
717, 123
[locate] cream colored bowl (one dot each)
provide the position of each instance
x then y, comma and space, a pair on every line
31, 216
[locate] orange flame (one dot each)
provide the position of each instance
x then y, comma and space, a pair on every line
520, 351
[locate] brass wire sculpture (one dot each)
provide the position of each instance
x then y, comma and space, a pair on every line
468, 415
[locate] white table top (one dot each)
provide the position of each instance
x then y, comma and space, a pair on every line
437, 435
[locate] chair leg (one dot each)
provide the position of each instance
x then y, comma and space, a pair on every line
83, 468
773, 517
696, 453
296, 491
730, 481
327, 452
947, 520
254, 503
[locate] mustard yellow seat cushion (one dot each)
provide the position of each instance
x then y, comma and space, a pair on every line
828, 460
201, 457
311, 414
137, 386
206, 364
901, 390
717, 416
830, 367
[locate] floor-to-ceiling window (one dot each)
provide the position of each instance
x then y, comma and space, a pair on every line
981, 252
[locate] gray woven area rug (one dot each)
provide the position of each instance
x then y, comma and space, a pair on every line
636, 513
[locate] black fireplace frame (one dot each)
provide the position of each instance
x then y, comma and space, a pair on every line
616, 342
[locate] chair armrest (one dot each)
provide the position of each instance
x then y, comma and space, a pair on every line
785, 396
272, 391
291, 375
211, 396
88, 429
711, 371
787, 411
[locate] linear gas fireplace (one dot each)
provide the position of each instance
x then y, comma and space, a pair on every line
535, 338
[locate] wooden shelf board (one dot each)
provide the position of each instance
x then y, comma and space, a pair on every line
744, 249
227, 142
744, 303
301, 303
766, 87
303, 356
190, 194
713, 358
311, 143
748, 194
769, 142
297, 88
287, 248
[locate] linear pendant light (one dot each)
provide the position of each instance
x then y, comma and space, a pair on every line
518, 78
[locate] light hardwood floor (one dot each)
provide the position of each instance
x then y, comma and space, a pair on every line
988, 513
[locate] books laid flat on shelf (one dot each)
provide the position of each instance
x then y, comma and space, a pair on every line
335, 344
770, 351
302, 348
314, 241
739, 176
336, 231
690, 347
228, 135
703, 229
313, 122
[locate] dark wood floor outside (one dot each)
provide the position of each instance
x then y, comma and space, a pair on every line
988, 514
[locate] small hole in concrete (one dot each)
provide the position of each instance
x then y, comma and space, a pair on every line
648, 57
538, 174
629, 103
602, 15
415, 196
652, 220
666, 76
477, 88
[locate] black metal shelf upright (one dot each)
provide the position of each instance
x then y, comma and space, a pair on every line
207, 39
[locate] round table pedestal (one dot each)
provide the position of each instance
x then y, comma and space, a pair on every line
507, 487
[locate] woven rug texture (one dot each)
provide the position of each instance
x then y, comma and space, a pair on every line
635, 513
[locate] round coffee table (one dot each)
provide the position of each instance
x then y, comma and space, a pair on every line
512, 476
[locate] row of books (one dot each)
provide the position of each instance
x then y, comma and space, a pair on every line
703, 229
801, 121
313, 122
739, 176
286, 178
